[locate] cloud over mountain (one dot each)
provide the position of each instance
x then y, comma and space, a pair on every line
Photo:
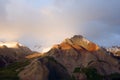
48, 22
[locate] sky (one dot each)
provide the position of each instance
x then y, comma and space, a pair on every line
39, 24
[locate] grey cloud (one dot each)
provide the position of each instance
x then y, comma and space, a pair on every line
3, 13
98, 20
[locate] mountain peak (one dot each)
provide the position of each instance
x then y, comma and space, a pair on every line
77, 37
82, 42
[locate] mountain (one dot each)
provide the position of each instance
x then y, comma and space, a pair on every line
115, 50
79, 52
75, 58
11, 52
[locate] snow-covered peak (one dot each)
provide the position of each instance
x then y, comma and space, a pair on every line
113, 49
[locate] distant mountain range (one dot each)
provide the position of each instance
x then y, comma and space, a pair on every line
75, 58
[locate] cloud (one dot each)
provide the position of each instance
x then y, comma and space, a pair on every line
49, 22
98, 20
3, 4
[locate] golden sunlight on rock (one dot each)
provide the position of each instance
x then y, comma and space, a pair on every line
93, 47
89, 46
77, 42
83, 42
34, 55
65, 46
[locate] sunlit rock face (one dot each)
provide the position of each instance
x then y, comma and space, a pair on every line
78, 42
34, 55
81, 41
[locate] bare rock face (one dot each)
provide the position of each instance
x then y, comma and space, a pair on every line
33, 55
12, 51
35, 71
45, 68
81, 41
80, 52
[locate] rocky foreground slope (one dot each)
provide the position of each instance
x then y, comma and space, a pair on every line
74, 59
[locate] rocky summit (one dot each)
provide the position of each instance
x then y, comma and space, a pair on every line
82, 42
75, 58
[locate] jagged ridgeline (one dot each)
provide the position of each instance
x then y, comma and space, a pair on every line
75, 58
